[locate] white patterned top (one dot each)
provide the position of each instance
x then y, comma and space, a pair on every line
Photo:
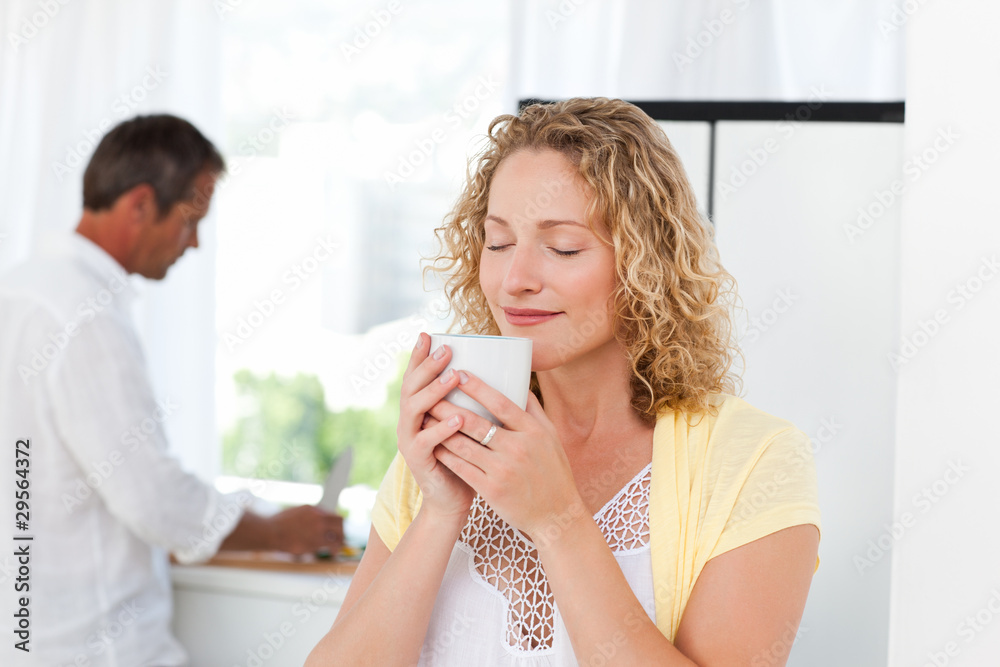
495, 606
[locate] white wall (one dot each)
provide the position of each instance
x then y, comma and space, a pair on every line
819, 312
946, 567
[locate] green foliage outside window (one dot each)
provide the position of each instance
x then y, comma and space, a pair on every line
286, 432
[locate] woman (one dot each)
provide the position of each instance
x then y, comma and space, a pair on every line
644, 515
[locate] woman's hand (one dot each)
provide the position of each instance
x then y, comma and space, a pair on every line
523, 473
444, 494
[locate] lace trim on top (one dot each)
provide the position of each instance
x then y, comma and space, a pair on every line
506, 561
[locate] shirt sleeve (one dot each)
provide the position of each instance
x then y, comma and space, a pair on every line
396, 503
105, 413
778, 491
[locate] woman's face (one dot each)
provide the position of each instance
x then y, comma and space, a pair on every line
545, 275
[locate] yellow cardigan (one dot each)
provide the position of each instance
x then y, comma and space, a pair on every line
717, 483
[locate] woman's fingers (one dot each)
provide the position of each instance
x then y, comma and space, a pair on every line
461, 467
437, 432
459, 442
430, 366
473, 426
422, 387
509, 413
435, 392
419, 352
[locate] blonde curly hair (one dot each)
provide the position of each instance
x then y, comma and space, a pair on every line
671, 304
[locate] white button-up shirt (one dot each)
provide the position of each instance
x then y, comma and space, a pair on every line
106, 502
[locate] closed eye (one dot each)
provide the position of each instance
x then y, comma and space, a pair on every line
561, 253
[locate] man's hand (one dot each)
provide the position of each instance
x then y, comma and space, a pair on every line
297, 530
305, 529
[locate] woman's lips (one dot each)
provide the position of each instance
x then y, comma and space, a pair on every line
528, 316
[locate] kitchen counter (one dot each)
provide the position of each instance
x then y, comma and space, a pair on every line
256, 609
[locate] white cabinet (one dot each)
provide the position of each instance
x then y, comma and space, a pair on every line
235, 617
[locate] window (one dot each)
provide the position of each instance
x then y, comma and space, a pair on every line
348, 131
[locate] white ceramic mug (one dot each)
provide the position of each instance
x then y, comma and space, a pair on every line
502, 362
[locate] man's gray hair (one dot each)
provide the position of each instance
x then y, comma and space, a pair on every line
163, 151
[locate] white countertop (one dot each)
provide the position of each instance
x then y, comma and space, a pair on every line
288, 586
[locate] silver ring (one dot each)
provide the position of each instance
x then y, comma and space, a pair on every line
489, 435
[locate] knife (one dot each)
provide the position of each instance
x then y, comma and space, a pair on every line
336, 481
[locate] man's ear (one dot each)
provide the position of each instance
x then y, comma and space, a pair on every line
138, 204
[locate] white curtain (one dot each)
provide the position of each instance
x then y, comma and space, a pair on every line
70, 70
709, 50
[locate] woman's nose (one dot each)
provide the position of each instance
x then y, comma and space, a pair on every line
523, 271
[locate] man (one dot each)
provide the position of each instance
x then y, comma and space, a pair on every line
103, 507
